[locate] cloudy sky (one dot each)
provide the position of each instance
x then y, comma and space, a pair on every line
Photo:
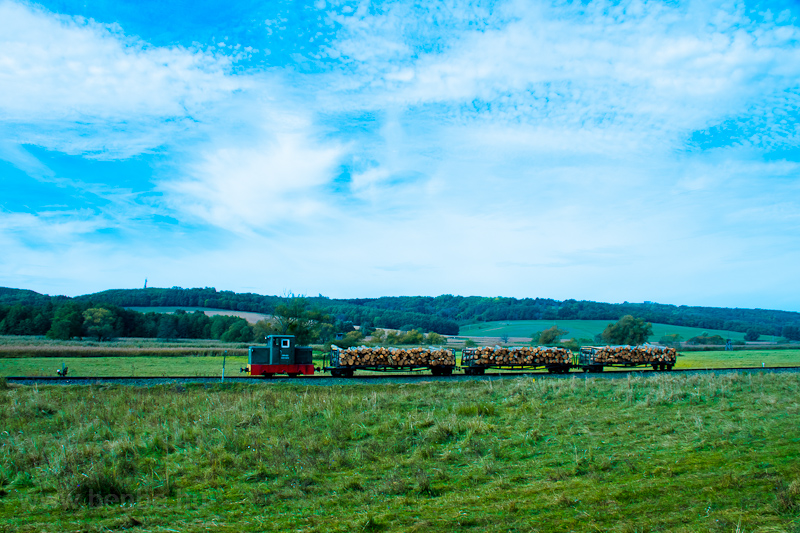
610, 151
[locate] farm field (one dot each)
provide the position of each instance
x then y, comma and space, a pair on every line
247, 315
579, 329
669, 453
16, 347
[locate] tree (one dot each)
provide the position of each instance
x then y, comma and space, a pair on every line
469, 343
167, 328
751, 335
504, 338
99, 322
239, 331
791, 332
293, 319
67, 323
628, 330
263, 328
551, 335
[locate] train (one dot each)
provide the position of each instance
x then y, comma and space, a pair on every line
282, 355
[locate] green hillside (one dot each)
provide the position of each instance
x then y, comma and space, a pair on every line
580, 329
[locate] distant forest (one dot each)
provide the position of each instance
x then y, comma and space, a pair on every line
30, 313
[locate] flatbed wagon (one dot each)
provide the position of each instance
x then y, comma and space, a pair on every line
595, 358
344, 362
475, 361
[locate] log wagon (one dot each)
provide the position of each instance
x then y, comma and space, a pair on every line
475, 361
594, 358
343, 362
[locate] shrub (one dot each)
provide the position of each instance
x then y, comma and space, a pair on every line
706, 339
751, 335
435, 339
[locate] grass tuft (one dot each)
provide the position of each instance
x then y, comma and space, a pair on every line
100, 489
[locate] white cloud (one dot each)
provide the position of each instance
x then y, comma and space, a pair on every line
79, 86
251, 184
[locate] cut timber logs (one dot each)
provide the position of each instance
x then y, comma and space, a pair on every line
379, 356
523, 356
636, 355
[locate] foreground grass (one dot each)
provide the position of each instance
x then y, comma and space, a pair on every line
668, 453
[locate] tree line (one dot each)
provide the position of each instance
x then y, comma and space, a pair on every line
440, 314
443, 314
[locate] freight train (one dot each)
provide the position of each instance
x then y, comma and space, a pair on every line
281, 355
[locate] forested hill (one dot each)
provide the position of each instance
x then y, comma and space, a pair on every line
441, 314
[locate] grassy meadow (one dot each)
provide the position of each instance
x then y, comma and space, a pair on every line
738, 359
669, 453
580, 329
123, 366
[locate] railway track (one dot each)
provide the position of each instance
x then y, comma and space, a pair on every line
373, 379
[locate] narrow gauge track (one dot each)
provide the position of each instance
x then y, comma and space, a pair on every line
375, 379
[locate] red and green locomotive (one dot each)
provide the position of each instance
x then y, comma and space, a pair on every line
280, 355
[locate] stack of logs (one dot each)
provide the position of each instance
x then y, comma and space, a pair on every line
379, 356
644, 354
524, 356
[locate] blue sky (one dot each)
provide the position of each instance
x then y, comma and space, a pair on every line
611, 151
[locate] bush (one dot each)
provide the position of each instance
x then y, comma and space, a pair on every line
435, 339
670, 340
571, 344
706, 339
751, 335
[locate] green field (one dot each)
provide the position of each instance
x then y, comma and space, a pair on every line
743, 358
123, 366
668, 453
247, 315
579, 329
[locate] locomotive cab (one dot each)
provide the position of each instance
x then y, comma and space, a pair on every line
279, 355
